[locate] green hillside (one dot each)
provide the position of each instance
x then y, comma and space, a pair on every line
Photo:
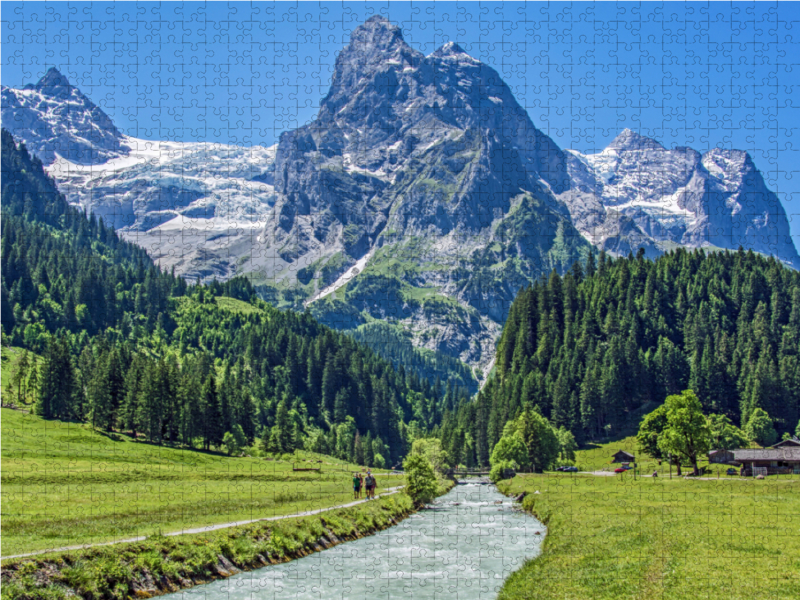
66, 484
130, 348
596, 349
672, 539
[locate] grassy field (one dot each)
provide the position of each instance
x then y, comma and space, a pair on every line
161, 564
64, 484
597, 457
611, 538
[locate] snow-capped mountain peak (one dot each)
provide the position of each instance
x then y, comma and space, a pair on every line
649, 195
629, 140
426, 158
189, 204
52, 83
56, 120
452, 51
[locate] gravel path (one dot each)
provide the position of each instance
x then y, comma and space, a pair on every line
308, 513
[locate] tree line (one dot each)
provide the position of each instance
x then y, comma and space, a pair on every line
595, 349
127, 346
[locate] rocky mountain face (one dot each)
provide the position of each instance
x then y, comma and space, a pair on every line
429, 167
637, 193
195, 206
54, 118
422, 195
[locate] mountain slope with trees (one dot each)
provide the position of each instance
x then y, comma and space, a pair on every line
128, 346
612, 339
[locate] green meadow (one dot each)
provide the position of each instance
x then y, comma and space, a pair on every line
64, 484
598, 457
613, 537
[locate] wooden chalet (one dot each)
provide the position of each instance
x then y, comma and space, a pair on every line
720, 457
622, 457
776, 461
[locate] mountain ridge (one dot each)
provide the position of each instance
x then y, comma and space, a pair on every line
678, 196
422, 193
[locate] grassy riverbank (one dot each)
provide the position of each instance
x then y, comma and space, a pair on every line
65, 484
161, 565
611, 538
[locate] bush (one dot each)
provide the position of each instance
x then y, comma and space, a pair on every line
378, 461
501, 469
759, 428
509, 449
234, 440
420, 479
431, 448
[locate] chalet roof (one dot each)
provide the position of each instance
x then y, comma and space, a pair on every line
623, 453
790, 443
792, 454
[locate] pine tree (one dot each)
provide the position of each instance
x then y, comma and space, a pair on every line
283, 427
212, 414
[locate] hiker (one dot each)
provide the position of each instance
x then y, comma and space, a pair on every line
655, 473
370, 481
356, 486
360, 483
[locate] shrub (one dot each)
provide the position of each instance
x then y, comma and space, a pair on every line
509, 449
759, 428
501, 469
234, 440
420, 479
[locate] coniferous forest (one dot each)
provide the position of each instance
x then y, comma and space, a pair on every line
130, 347
596, 348
127, 346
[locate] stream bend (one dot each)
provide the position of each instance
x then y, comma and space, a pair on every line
464, 547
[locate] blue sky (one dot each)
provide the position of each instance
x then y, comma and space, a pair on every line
688, 74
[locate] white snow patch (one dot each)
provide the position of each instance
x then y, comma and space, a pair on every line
346, 278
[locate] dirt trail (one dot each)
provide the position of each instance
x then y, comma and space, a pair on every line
308, 513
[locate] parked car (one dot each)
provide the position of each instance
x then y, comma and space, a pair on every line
620, 470
627, 467
731, 471
571, 469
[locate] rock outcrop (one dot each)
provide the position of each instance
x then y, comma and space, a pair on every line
421, 194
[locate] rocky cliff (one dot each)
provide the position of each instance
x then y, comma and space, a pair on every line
422, 195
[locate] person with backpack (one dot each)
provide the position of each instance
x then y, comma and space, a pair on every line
370, 482
356, 486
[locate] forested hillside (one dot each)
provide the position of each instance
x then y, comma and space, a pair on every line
127, 346
445, 371
606, 341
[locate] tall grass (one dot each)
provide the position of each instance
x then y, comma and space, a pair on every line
64, 484
608, 537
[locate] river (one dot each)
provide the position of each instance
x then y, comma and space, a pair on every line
463, 548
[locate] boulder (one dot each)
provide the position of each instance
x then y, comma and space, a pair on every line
224, 567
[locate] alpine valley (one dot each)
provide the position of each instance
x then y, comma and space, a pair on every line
413, 208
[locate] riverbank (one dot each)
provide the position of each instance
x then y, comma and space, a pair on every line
66, 485
161, 565
463, 545
206, 529
659, 538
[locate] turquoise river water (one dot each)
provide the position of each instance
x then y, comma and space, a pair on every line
462, 548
